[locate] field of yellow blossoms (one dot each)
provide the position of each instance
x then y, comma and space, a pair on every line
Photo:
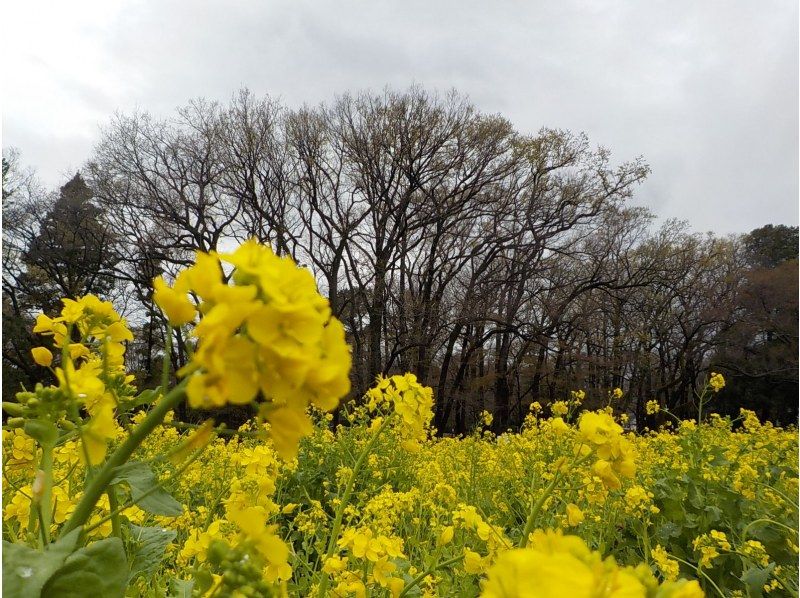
102, 489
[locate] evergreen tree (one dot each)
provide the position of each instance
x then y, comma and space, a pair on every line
52, 249
74, 252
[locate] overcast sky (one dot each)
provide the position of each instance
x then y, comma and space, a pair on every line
706, 91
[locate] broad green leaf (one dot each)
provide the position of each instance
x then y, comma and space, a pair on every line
668, 530
203, 579
98, 569
712, 514
181, 588
25, 570
143, 398
142, 481
691, 521
755, 578
149, 545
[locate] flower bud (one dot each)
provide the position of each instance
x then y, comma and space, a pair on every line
446, 536
42, 356
24, 397
14, 409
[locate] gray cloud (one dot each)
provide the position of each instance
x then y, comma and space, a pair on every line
706, 91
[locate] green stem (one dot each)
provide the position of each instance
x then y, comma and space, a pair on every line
765, 520
45, 531
791, 502
418, 579
785, 585
113, 505
699, 571
337, 522
47, 491
128, 504
536, 507
646, 540
32, 520
701, 402
100, 481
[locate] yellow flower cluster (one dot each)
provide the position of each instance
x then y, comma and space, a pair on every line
467, 517
603, 436
708, 546
652, 407
750, 420
717, 382
412, 401
22, 449
574, 515
756, 551
555, 565
92, 371
669, 567
93, 319
247, 524
376, 553
252, 523
270, 332
639, 501
455, 505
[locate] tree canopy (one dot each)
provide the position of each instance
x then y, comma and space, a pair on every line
504, 269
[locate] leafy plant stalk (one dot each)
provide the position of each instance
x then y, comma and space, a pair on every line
101, 480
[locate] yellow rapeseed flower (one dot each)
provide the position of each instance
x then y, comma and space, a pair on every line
269, 335
96, 434
42, 356
574, 515
717, 381
652, 407
174, 302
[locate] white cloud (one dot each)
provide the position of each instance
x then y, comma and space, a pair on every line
707, 92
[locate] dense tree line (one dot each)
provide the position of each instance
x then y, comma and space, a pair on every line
501, 268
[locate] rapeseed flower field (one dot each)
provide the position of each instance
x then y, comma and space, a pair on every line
102, 486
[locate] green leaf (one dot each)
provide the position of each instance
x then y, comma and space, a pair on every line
143, 398
668, 530
181, 588
99, 569
713, 514
719, 457
691, 521
755, 578
150, 544
25, 570
142, 481
765, 533
203, 579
